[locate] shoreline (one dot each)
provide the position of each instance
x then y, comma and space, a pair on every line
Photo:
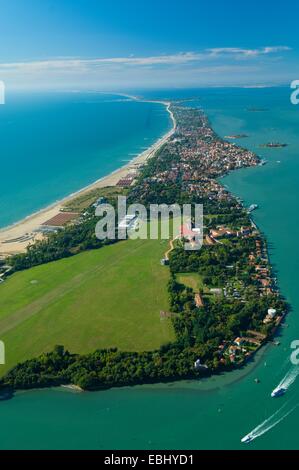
237, 366
29, 226
205, 384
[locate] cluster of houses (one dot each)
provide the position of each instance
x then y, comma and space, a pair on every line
216, 234
262, 275
206, 154
208, 187
199, 156
214, 157
241, 347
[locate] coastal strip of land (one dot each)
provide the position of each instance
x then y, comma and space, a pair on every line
17, 237
222, 300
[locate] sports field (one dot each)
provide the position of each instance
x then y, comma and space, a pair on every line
102, 298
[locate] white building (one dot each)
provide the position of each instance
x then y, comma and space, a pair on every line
272, 313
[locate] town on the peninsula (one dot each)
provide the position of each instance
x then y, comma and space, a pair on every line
224, 303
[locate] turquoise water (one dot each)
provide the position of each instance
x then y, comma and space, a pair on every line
52, 145
216, 413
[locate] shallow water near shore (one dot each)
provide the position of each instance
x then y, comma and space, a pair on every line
218, 412
54, 144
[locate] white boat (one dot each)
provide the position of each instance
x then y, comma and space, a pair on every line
278, 392
247, 439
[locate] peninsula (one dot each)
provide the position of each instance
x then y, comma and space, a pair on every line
223, 300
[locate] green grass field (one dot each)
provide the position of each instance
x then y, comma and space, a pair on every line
192, 280
102, 298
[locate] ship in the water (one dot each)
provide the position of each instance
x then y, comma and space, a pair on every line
247, 439
278, 392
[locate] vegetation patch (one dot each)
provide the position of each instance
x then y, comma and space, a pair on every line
111, 297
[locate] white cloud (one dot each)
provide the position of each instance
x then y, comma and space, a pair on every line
182, 66
172, 59
235, 51
180, 58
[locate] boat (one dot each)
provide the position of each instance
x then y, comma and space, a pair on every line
247, 439
278, 392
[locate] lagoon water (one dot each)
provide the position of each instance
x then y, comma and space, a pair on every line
218, 412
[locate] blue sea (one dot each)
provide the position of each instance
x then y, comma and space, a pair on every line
53, 144
209, 414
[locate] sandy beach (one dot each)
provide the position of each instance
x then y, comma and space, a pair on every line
15, 238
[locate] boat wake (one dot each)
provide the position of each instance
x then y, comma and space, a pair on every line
286, 382
268, 424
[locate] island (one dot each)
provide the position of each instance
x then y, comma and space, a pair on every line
224, 303
273, 145
237, 136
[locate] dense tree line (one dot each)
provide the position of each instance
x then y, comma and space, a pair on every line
212, 259
105, 368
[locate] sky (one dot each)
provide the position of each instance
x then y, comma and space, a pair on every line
138, 44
